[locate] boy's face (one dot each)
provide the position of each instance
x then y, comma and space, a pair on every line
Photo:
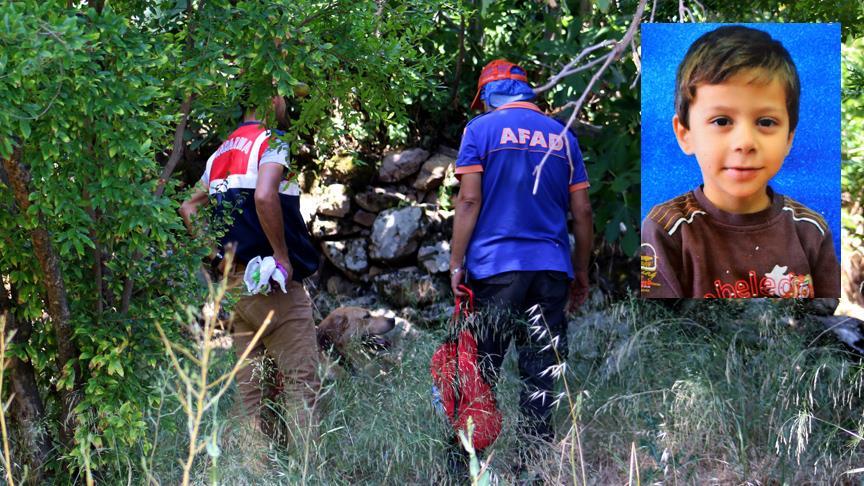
739, 133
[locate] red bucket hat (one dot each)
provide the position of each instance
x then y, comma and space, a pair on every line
494, 71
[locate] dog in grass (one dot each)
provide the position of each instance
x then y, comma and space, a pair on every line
355, 340
361, 341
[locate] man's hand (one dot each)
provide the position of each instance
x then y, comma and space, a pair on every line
578, 290
456, 279
284, 264
189, 208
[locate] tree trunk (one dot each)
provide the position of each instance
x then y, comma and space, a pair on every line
457, 76
26, 411
58, 307
99, 5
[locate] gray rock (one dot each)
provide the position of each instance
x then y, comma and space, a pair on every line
308, 207
397, 166
396, 233
440, 220
847, 330
820, 307
408, 192
334, 201
448, 151
337, 285
408, 287
348, 256
347, 169
435, 258
378, 199
431, 198
433, 172
324, 228
373, 272
364, 218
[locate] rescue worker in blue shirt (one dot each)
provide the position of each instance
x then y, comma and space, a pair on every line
511, 245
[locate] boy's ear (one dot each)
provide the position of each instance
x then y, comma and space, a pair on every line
682, 134
789, 142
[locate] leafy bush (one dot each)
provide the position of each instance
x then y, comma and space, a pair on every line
91, 96
852, 174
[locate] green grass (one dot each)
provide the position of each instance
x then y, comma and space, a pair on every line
714, 393
730, 391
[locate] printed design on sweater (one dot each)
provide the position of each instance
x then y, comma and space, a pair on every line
672, 214
803, 213
648, 259
776, 283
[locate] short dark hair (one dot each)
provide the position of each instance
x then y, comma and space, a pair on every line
726, 51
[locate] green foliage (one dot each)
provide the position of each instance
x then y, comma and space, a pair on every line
79, 99
852, 172
92, 98
849, 13
725, 390
358, 62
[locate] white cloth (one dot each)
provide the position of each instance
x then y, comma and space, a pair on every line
259, 272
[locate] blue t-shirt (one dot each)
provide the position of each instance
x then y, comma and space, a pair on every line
517, 230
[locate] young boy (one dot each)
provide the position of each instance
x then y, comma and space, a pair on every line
736, 104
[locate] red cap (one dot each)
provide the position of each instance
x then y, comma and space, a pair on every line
494, 71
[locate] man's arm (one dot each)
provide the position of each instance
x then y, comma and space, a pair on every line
466, 211
269, 210
190, 207
583, 231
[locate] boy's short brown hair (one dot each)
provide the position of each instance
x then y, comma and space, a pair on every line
724, 52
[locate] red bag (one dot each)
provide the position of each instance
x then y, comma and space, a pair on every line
460, 387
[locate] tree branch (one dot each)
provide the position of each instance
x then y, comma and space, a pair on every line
99, 5
613, 55
571, 67
454, 90
97, 253
179, 146
173, 159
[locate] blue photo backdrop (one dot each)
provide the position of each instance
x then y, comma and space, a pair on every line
811, 172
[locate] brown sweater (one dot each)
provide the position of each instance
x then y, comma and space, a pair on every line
692, 249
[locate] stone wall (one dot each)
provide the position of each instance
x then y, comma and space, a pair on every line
392, 234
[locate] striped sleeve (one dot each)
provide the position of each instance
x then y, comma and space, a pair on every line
578, 174
468, 161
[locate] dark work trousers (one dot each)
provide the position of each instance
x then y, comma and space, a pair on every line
504, 301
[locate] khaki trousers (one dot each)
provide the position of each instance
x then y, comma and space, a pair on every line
290, 340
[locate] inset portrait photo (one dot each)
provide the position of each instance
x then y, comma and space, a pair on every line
740, 160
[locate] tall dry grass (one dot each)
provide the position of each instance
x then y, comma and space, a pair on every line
717, 392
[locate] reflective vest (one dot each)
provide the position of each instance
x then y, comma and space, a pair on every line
231, 176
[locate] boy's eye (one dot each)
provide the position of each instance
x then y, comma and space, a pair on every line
766, 122
721, 122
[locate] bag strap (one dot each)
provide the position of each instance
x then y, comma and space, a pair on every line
460, 310
469, 307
